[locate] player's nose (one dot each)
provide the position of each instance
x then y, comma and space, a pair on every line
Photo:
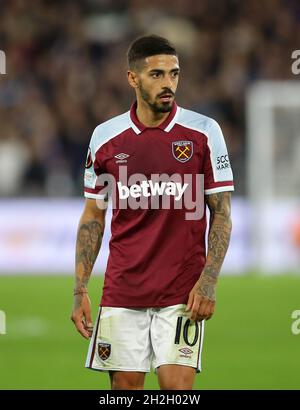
168, 82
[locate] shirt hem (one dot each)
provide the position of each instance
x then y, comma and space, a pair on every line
219, 189
144, 306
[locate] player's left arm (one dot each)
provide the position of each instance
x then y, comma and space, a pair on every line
202, 297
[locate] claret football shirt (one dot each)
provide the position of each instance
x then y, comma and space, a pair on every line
156, 252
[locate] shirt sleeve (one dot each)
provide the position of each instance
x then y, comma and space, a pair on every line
92, 189
217, 169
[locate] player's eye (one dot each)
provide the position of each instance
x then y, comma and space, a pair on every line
156, 75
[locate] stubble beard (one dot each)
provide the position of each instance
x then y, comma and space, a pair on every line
157, 108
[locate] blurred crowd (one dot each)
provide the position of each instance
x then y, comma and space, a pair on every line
66, 73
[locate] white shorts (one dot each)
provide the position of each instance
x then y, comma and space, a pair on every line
138, 339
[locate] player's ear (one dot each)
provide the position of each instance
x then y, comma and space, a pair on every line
132, 79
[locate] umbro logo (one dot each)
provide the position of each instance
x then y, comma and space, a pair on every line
121, 158
186, 353
185, 350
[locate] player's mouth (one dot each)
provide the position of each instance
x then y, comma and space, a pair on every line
166, 98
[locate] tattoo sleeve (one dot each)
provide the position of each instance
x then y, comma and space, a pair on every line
219, 235
89, 238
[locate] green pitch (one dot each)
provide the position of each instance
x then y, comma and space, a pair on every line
248, 344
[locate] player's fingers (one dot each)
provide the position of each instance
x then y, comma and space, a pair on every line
190, 301
88, 318
195, 307
207, 310
85, 333
211, 310
209, 316
203, 307
88, 325
81, 329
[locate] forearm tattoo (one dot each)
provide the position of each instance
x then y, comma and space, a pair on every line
88, 243
78, 301
218, 240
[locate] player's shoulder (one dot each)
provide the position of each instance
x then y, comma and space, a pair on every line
110, 129
198, 122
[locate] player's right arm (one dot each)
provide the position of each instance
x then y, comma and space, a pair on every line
89, 238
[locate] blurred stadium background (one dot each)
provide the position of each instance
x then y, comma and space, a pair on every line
65, 73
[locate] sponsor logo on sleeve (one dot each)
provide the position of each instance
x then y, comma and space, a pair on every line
223, 162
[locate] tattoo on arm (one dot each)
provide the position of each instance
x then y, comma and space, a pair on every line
78, 301
89, 239
207, 287
218, 240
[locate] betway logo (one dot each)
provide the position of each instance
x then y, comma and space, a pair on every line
150, 188
154, 191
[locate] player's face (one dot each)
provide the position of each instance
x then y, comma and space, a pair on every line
157, 82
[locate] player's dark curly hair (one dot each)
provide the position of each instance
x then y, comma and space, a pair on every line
147, 46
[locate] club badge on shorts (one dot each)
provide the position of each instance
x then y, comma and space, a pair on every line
104, 350
182, 150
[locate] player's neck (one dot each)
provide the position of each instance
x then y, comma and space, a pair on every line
147, 117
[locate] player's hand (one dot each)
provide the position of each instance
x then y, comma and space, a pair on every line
202, 298
81, 315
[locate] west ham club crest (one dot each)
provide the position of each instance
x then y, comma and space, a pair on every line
104, 350
182, 150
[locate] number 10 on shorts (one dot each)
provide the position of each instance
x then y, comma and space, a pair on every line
189, 331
